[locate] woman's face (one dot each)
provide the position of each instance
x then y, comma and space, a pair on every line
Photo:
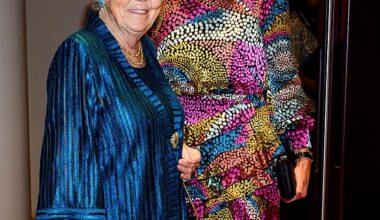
135, 16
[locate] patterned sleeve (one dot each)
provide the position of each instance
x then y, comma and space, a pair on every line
288, 103
70, 186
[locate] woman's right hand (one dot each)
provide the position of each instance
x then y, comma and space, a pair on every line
189, 162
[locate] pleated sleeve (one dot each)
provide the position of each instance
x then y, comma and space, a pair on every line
70, 181
289, 105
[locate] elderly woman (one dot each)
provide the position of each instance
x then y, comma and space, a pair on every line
231, 65
113, 132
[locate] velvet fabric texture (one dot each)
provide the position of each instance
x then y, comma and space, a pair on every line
107, 151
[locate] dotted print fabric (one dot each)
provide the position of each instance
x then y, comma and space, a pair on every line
230, 63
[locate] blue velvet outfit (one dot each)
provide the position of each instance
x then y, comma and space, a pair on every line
107, 151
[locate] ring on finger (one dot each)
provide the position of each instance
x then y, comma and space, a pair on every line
299, 195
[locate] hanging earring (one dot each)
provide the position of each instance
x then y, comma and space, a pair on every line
102, 3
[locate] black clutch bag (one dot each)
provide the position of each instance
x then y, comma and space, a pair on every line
284, 170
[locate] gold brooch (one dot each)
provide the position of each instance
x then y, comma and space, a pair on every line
174, 140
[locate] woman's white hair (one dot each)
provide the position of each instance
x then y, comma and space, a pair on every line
94, 5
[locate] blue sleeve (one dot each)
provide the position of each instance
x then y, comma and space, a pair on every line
70, 182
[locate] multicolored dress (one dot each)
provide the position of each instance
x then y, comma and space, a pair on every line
230, 63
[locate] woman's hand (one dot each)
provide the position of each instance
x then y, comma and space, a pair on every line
302, 175
189, 162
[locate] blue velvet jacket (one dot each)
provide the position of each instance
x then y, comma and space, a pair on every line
107, 151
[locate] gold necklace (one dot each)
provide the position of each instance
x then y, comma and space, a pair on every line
130, 55
139, 51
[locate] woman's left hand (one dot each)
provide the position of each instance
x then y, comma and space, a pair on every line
189, 162
302, 175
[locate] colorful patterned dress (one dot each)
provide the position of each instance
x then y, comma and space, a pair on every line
230, 63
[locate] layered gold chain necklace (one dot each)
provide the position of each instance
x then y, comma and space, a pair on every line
131, 57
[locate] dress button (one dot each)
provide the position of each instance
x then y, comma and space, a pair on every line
174, 140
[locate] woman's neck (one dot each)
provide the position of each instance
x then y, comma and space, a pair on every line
127, 40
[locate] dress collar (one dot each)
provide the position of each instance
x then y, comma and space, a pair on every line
97, 27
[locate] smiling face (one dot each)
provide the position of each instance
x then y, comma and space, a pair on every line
135, 16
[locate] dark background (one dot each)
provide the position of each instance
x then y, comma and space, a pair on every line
353, 147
